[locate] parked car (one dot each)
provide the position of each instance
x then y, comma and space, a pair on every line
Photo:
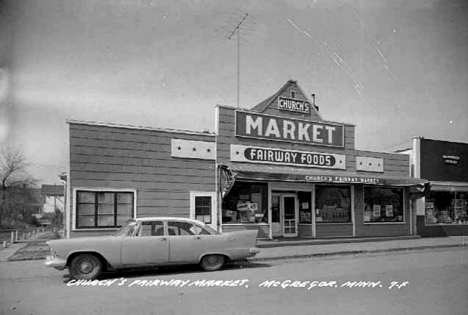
148, 242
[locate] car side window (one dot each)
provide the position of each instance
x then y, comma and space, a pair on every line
180, 228
199, 230
152, 228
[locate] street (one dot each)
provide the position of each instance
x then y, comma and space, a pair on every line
416, 282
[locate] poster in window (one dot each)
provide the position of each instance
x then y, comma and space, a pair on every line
376, 211
389, 210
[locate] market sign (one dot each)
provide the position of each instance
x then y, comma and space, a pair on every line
241, 153
260, 126
293, 105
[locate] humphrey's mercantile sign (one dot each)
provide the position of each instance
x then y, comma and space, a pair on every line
260, 126
241, 153
293, 105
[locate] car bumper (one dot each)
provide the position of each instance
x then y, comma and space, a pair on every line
254, 250
55, 262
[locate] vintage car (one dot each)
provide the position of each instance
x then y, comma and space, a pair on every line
148, 242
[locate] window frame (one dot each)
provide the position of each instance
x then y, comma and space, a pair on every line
213, 210
76, 190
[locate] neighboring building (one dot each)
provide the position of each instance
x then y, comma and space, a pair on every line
54, 198
278, 168
32, 202
445, 164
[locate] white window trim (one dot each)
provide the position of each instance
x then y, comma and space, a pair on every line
214, 212
76, 189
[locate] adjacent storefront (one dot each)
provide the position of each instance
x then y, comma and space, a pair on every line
279, 168
444, 211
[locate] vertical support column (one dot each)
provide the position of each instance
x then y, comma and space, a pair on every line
353, 216
270, 212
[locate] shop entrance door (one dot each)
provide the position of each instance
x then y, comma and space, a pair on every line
289, 214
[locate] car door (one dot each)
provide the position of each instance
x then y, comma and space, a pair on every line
150, 246
187, 242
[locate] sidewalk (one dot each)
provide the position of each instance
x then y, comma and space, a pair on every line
320, 248
35, 248
29, 249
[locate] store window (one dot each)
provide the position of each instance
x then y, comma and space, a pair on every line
333, 204
447, 207
246, 203
103, 209
383, 204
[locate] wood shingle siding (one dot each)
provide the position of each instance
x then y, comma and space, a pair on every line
108, 157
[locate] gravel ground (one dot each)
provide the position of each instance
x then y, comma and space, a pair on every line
35, 250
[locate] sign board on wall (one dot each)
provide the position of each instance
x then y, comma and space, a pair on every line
293, 105
444, 161
241, 153
260, 126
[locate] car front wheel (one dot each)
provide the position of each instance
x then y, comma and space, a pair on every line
212, 262
85, 266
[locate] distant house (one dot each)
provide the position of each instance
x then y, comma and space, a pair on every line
54, 198
32, 201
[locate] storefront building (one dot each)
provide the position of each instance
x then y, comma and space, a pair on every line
278, 168
444, 211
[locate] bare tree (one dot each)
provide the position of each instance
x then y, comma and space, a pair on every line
13, 178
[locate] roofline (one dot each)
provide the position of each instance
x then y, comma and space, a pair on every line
447, 141
122, 126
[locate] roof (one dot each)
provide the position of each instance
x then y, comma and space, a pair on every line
112, 125
263, 104
52, 190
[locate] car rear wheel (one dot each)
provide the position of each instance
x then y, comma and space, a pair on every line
85, 266
212, 262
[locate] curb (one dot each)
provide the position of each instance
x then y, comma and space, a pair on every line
334, 241
356, 252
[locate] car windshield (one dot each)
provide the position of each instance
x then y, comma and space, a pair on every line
127, 229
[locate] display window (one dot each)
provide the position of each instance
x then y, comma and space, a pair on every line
246, 203
383, 204
333, 204
305, 208
447, 207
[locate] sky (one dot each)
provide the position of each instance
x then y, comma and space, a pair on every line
396, 69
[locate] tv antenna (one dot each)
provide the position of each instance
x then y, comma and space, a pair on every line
237, 30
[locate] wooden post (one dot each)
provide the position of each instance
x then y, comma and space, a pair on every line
12, 237
5, 244
16, 235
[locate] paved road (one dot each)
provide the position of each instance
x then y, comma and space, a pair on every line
430, 282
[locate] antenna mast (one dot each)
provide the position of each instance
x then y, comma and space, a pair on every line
237, 29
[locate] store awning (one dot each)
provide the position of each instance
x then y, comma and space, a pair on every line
418, 187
